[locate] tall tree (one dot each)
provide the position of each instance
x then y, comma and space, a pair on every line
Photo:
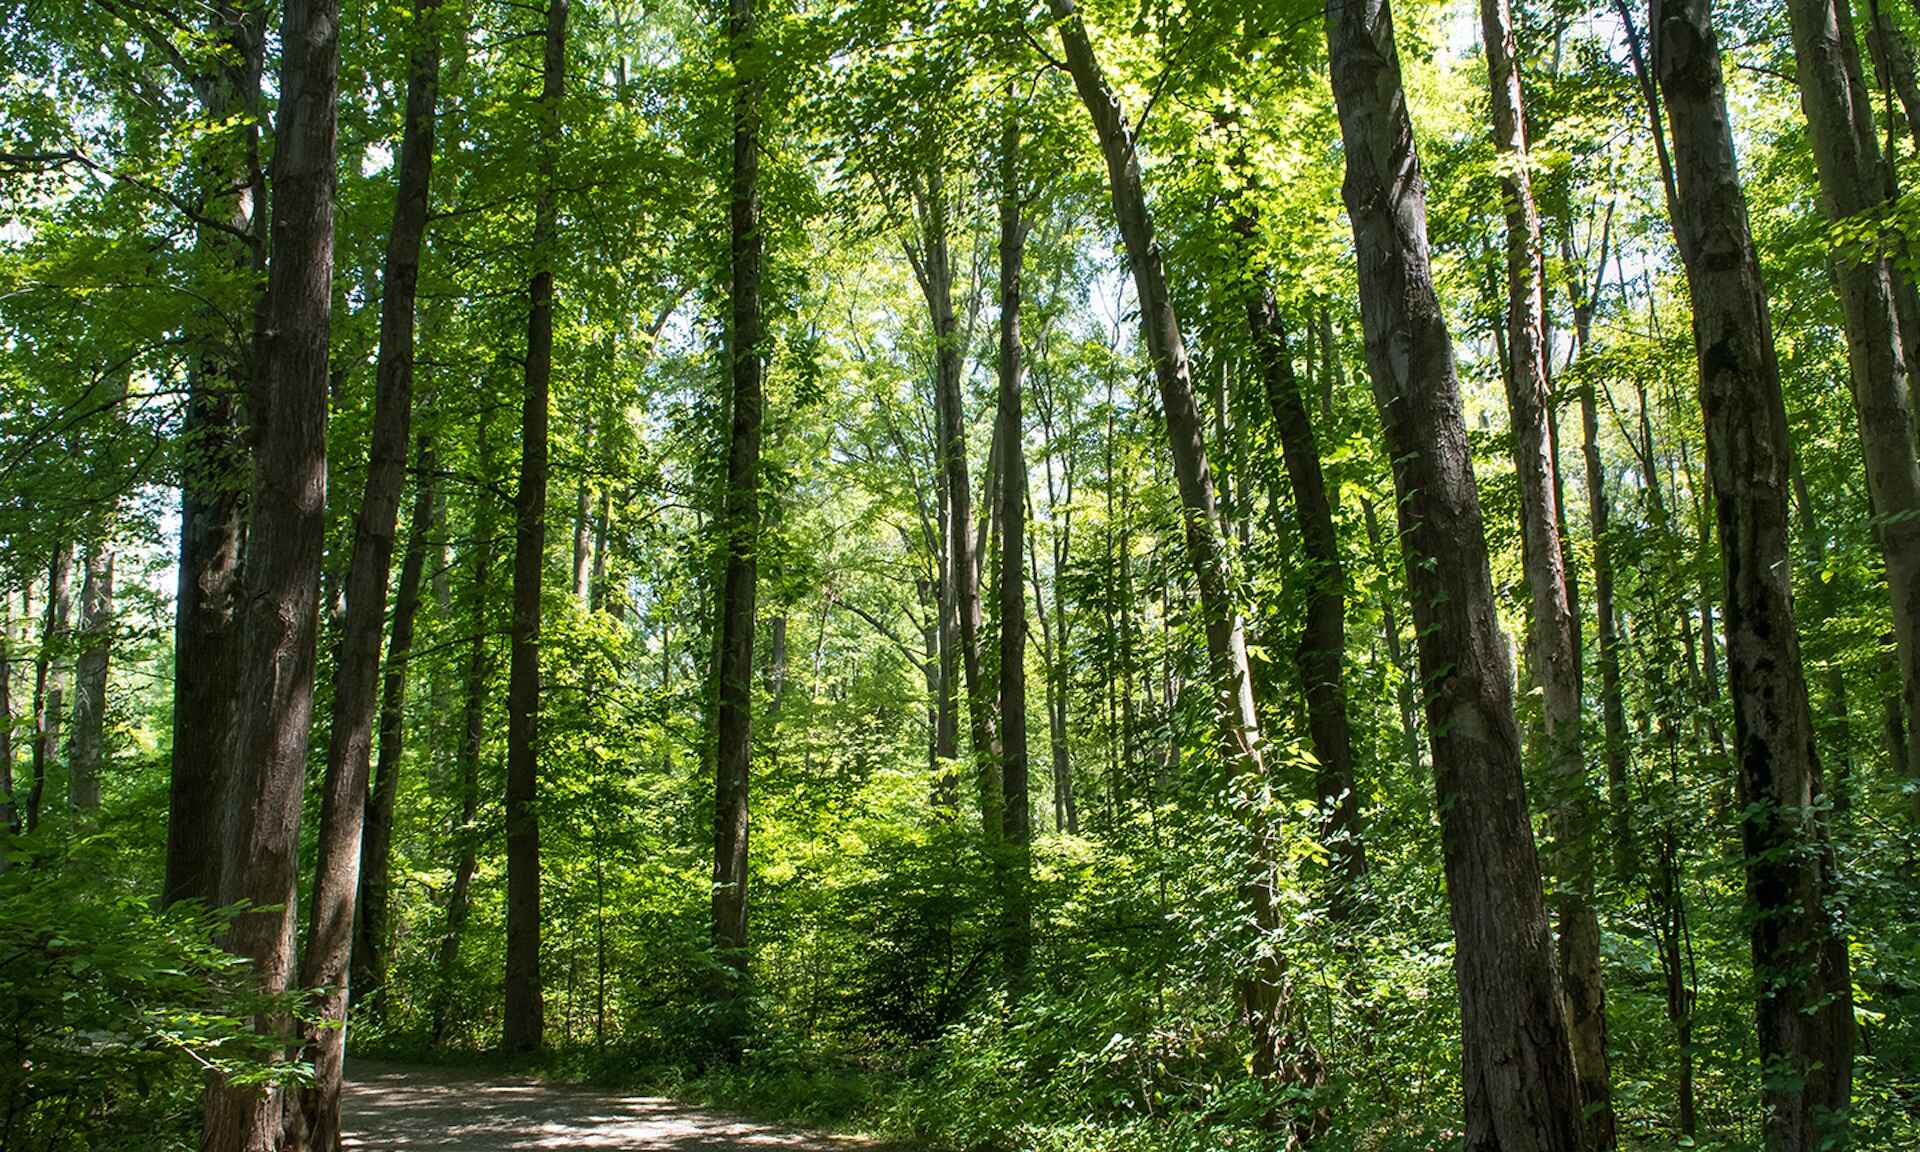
524, 1022
740, 528
287, 406
230, 241
1323, 640
1277, 1052
372, 923
1553, 640
1854, 179
1805, 1004
336, 882
1018, 815
933, 266
86, 745
1521, 1090
48, 690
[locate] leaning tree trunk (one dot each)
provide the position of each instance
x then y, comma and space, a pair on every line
1805, 1003
48, 692
1554, 641
325, 969
273, 711
1521, 1090
1277, 1053
207, 619
523, 1026
86, 746
1323, 641
1853, 179
740, 529
372, 925
1017, 818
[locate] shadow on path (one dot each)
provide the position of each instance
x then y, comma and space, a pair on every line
391, 1108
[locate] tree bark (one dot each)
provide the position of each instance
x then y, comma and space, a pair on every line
934, 269
1520, 1086
740, 528
9, 813
1853, 179
273, 710
87, 747
1323, 639
1277, 1053
582, 543
325, 970
523, 1025
372, 926
1554, 647
213, 475
466, 834
1017, 826
1804, 1010
48, 691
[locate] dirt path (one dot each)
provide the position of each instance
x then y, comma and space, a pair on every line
390, 1108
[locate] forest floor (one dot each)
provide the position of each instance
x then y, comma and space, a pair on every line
401, 1108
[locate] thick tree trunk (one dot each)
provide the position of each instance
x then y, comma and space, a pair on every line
1323, 640
372, 926
740, 529
1804, 1011
325, 969
1521, 1090
1277, 1052
1017, 817
273, 710
1853, 179
49, 692
213, 476
87, 745
1554, 640
523, 1026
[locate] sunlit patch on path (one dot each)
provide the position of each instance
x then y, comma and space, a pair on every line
389, 1107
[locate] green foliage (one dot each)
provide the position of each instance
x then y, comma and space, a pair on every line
112, 1014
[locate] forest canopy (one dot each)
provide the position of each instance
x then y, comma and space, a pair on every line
1067, 575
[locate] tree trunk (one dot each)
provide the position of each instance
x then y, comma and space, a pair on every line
523, 1025
465, 833
213, 476
1017, 816
1853, 179
9, 814
273, 708
1277, 1053
372, 927
1894, 68
48, 691
87, 748
582, 543
740, 529
934, 269
1804, 1011
1520, 1086
1323, 639
325, 970
1554, 648
1613, 712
